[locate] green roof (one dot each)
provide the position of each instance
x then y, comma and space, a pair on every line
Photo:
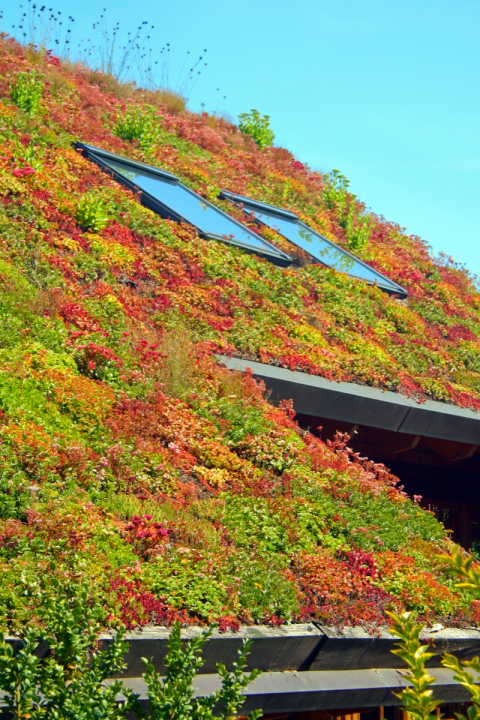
129, 455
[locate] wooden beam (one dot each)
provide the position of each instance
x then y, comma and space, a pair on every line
467, 454
412, 445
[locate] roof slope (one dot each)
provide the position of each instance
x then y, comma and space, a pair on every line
128, 454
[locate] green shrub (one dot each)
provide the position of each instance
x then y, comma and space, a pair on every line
26, 92
335, 191
138, 124
418, 699
171, 698
357, 229
92, 213
32, 155
70, 682
337, 198
257, 127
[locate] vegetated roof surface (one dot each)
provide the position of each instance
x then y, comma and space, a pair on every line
129, 457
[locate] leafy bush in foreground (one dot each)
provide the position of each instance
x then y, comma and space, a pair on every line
70, 681
418, 699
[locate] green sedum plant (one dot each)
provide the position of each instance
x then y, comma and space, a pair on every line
92, 213
32, 155
257, 127
338, 199
138, 124
26, 92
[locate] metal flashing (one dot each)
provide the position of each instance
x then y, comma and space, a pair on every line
288, 648
271, 209
107, 155
296, 647
359, 404
304, 666
288, 692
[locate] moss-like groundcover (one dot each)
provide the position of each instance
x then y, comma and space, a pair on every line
129, 457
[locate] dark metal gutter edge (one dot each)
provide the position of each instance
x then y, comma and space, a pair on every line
303, 691
327, 690
295, 648
234, 198
429, 419
314, 381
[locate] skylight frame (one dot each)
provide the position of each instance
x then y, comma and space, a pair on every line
388, 285
101, 158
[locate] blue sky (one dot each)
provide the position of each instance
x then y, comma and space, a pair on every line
386, 91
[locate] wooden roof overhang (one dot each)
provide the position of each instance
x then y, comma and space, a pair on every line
362, 405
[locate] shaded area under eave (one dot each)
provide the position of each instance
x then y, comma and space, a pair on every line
358, 404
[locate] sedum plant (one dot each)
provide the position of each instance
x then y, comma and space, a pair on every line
257, 127
26, 92
338, 198
92, 213
138, 124
418, 699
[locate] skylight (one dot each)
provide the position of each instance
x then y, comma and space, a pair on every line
167, 196
291, 228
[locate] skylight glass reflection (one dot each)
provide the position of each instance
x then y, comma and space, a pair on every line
321, 249
175, 200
